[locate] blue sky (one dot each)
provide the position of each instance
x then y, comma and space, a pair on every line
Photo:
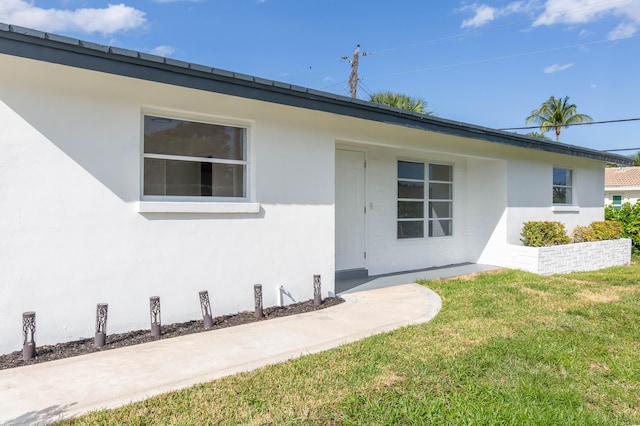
488, 63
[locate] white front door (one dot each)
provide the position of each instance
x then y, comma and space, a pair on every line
350, 210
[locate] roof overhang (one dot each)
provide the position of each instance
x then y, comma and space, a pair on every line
37, 45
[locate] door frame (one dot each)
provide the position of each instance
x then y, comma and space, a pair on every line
364, 217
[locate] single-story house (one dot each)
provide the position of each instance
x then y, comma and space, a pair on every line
621, 185
125, 175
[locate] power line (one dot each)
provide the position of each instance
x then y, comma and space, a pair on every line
364, 88
566, 13
622, 149
606, 3
573, 124
496, 58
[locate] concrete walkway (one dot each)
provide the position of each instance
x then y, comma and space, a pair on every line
42, 393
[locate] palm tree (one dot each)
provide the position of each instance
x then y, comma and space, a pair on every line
401, 101
555, 114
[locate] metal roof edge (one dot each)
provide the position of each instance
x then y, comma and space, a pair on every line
276, 92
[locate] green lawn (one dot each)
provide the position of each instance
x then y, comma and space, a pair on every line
508, 347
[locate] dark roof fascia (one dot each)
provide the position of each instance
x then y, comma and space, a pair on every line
37, 45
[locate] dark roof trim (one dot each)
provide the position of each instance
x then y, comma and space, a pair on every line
32, 44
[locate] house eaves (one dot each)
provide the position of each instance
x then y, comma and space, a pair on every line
41, 46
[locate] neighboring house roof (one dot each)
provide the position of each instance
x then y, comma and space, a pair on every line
33, 44
622, 177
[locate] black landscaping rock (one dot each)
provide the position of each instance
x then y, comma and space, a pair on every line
85, 346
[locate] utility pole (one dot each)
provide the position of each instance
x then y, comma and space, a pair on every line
353, 77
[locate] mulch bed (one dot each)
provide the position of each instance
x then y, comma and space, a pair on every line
85, 346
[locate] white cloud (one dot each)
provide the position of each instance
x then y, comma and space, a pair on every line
557, 68
623, 30
175, 1
485, 13
593, 86
163, 50
109, 20
328, 79
570, 12
588, 11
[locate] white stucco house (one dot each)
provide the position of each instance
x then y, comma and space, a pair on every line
621, 185
125, 175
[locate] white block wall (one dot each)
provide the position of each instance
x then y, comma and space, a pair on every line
584, 256
72, 232
566, 258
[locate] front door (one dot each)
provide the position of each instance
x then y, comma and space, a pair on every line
350, 210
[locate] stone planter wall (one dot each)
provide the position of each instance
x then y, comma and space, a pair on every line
583, 256
561, 259
567, 258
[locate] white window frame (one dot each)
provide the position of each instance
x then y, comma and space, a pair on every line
569, 188
426, 200
423, 199
199, 204
439, 200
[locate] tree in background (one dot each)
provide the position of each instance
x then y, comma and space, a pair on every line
636, 158
537, 135
401, 101
629, 216
555, 114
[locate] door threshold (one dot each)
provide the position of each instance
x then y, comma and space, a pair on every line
350, 274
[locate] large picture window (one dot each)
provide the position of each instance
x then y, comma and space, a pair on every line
425, 200
192, 159
562, 186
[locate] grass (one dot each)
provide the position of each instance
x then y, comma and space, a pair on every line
508, 347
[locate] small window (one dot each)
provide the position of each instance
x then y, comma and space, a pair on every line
617, 202
192, 159
411, 199
425, 200
562, 186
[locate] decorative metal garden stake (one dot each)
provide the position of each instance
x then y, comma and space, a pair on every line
29, 335
317, 295
205, 306
257, 295
101, 325
154, 309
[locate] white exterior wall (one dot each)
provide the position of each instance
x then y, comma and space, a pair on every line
529, 190
72, 236
529, 193
386, 253
629, 194
496, 189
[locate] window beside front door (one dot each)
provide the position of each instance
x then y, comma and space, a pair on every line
425, 200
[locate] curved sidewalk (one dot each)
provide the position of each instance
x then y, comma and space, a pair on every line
49, 391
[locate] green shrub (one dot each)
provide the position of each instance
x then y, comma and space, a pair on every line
598, 231
583, 234
629, 217
540, 234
